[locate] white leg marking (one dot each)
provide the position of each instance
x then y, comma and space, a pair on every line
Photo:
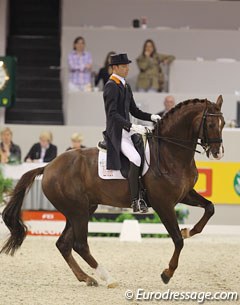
105, 276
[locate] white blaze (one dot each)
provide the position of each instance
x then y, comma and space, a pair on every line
220, 123
221, 153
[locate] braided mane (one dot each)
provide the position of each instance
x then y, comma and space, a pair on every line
181, 105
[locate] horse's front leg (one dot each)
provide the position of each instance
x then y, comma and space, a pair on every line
194, 199
169, 219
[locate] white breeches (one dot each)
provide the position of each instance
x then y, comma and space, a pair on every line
128, 149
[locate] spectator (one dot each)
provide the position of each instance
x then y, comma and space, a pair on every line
169, 103
44, 151
151, 78
105, 71
77, 140
80, 66
9, 152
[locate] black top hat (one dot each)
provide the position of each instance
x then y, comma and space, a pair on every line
119, 59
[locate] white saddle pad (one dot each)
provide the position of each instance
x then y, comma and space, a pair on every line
105, 173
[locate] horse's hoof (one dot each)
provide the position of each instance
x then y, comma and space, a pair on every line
185, 233
165, 278
92, 282
112, 284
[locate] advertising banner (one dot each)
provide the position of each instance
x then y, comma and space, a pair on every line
219, 182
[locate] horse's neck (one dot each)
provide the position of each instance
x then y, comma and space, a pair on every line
178, 128
179, 124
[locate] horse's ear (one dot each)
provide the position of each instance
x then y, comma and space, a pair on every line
219, 101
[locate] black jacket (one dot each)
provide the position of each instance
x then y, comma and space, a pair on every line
15, 153
35, 153
102, 74
119, 102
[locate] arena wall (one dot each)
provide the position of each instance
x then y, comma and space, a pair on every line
26, 136
176, 14
78, 104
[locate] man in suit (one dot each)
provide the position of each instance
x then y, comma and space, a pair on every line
119, 103
169, 103
44, 151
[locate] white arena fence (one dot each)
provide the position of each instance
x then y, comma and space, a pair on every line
131, 229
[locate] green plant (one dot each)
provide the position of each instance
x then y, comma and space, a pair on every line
181, 212
124, 216
6, 186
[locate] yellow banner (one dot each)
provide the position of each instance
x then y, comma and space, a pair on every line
219, 182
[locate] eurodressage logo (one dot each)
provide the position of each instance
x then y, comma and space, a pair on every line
237, 183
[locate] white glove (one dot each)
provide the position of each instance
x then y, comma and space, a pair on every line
138, 129
155, 117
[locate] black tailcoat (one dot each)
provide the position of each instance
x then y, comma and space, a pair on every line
119, 102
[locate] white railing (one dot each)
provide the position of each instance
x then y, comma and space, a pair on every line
53, 228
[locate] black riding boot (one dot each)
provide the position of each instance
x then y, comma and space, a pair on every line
133, 179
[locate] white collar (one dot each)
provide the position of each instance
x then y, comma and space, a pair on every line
45, 148
120, 78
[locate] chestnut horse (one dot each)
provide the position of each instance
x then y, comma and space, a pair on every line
72, 185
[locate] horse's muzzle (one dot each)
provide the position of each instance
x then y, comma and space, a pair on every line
215, 153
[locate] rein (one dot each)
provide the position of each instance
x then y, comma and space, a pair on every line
180, 142
204, 143
176, 142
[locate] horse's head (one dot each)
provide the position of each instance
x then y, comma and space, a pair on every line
211, 129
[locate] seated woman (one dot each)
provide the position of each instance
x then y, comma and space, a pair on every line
9, 152
151, 77
44, 151
77, 140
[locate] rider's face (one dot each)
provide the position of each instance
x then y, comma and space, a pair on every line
121, 70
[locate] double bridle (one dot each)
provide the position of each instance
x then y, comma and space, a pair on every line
205, 141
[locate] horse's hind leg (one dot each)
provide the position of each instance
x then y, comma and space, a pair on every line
80, 245
64, 245
194, 199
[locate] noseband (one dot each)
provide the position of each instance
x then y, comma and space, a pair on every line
206, 140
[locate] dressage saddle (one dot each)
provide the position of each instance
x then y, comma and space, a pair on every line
139, 146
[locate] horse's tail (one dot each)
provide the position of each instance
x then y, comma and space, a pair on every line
12, 213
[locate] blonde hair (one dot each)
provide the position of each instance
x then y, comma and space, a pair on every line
46, 135
76, 137
7, 129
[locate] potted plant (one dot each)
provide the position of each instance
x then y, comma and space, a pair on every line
6, 186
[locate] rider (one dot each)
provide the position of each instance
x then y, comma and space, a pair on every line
119, 102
